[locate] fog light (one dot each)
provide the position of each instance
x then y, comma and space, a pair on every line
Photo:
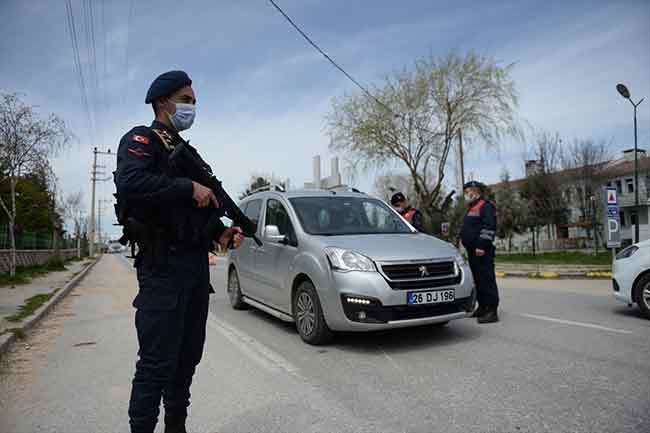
362, 315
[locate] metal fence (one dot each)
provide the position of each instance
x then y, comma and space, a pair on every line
28, 240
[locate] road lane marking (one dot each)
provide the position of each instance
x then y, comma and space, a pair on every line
263, 355
258, 352
570, 322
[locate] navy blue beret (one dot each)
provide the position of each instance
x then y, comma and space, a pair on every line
396, 198
473, 184
166, 84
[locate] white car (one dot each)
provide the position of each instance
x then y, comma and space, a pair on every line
114, 247
631, 276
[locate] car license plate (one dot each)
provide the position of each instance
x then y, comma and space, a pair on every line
430, 297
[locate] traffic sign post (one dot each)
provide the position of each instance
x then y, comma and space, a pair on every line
611, 217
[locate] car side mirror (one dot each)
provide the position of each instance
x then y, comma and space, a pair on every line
272, 234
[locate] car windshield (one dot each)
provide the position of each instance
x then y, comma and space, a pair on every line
336, 216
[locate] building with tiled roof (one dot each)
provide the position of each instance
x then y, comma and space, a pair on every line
618, 173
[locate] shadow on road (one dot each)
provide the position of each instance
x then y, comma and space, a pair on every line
408, 339
404, 339
280, 325
633, 312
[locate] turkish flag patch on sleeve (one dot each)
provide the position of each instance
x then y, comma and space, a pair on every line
140, 139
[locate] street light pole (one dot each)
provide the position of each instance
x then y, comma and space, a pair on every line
594, 226
623, 90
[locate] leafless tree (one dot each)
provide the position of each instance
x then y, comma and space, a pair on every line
389, 183
585, 159
74, 208
416, 115
547, 151
27, 140
545, 204
260, 180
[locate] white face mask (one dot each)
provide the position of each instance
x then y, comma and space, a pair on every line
183, 118
470, 197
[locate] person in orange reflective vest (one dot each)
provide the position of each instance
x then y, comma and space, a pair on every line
410, 214
477, 236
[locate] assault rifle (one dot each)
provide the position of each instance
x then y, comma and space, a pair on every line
187, 160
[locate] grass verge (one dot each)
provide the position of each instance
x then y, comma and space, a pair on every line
25, 273
559, 258
18, 332
31, 304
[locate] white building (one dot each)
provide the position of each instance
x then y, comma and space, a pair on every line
618, 173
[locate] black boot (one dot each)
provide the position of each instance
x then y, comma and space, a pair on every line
175, 424
489, 316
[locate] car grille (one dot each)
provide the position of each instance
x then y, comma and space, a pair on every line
414, 271
404, 276
424, 283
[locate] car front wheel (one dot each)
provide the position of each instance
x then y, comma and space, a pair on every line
642, 295
234, 291
308, 315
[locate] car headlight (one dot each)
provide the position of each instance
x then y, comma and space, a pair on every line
345, 260
627, 252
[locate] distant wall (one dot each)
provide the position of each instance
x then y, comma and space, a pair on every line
32, 257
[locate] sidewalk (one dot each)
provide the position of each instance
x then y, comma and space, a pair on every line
40, 290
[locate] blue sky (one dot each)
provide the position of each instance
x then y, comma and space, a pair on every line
263, 92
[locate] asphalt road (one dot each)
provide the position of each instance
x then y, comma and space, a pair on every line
565, 358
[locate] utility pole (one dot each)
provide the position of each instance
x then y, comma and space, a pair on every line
95, 179
78, 230
99, 218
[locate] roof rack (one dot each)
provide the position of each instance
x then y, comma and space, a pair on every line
345, 188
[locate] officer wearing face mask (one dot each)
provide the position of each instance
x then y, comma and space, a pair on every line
409, 213
477, 236
165, 212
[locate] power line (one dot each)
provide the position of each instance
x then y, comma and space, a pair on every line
89, 30
128, 32
104, 73
77, 61
336, 65
93, 50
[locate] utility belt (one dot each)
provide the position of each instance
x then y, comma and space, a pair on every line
155, 242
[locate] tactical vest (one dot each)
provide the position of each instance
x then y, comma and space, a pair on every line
408, 215
152, 227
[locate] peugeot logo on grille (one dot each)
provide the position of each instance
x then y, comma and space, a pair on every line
423, 271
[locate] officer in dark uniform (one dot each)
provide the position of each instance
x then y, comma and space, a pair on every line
166, 213
409, 213
477, 235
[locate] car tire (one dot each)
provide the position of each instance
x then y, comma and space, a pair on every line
641, 295
308, 315
233, 290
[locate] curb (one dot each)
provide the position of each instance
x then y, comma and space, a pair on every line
551, 275
7, 339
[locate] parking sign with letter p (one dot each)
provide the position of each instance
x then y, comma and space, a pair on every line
612, 223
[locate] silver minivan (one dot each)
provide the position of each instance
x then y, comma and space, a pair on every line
344, 261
